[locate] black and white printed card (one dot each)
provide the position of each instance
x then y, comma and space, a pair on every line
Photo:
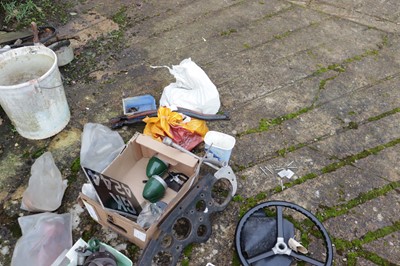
113, 194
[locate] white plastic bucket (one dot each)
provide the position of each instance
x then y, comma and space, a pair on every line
219, 145
32, 93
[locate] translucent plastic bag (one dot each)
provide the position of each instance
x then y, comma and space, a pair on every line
193, 89
100, 145
149, 214
44, 237
46, 187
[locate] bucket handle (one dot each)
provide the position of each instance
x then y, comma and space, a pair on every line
39, 88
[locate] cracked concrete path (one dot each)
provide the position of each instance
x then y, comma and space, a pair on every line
315, 82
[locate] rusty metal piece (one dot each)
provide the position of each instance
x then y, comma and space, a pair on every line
35, 33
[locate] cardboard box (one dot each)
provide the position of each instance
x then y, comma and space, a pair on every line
130, 168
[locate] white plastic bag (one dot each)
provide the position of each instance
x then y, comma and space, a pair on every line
44, 237
193, 89
46, 187
100, 145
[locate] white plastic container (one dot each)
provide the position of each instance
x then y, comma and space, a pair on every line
219, 145
32, 93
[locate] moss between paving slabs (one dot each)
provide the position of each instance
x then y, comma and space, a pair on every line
120, 17
187, 252
338, 210
355, 249
75, 167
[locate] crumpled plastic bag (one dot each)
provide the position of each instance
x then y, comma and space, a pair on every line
100, 146
185, 131
149, 214
46, 187
193, 89
44, 237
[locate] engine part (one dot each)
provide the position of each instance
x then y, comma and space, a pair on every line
273, 247
223, 170
188, 222
175, 181
154, 189
227, 172
156, 166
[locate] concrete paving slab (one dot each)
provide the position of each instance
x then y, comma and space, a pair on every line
386, 247
367, 217
384, 164
370, 7
347, 12
347, 143
307, 161
331, 189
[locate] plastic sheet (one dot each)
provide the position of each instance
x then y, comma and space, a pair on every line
100, 145
46, 187
193, 89
44, 237
149, 214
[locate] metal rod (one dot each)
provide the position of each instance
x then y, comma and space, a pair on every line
269, 170
263, 171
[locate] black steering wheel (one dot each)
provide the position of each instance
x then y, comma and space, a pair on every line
272, 234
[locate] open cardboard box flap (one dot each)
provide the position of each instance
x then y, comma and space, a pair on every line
147, 148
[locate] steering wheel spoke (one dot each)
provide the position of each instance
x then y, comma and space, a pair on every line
279, 221
306, 259
261, 256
